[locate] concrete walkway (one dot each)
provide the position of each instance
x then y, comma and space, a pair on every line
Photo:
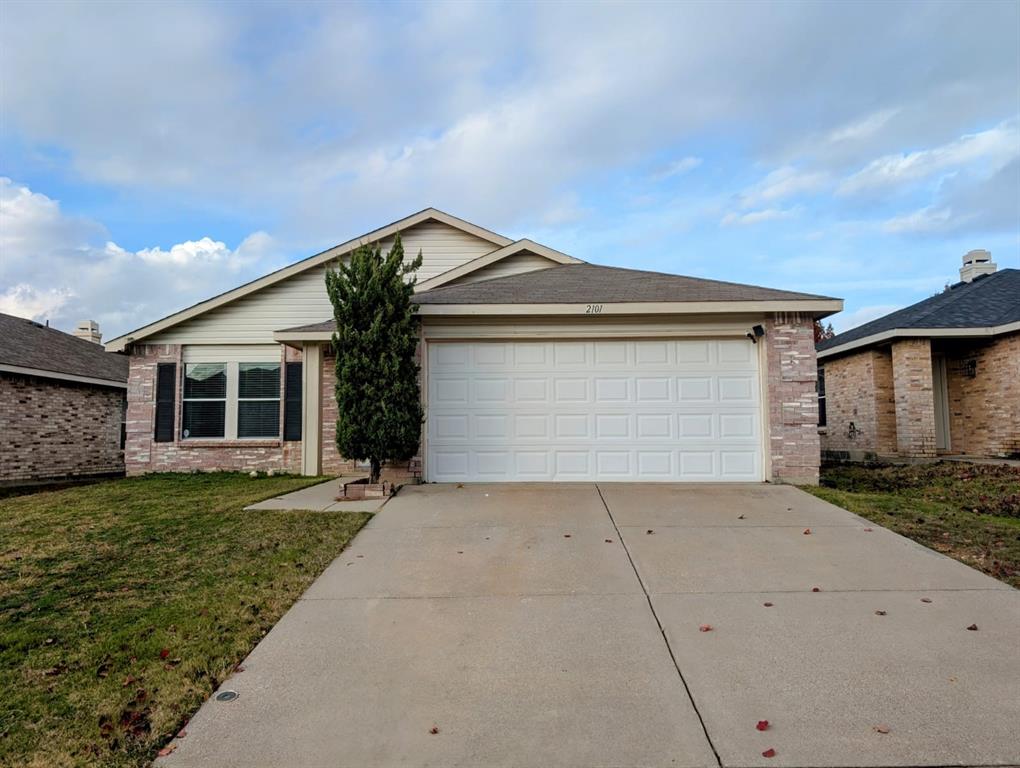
559, 625
320, 498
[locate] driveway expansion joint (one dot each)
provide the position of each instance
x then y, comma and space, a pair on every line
662, 630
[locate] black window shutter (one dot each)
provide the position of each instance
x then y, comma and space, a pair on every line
292, 403
166, 385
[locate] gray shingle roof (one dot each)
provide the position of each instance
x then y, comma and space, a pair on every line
26, 344
591, 283
989, 300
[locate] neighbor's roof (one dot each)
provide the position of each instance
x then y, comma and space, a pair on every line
591, 283
30, 348
990, 304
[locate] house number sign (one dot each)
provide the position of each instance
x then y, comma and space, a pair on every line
593, 309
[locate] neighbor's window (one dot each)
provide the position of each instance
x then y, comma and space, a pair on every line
258, 400
205, 400
821, 396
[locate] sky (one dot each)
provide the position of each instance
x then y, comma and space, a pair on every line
152, 155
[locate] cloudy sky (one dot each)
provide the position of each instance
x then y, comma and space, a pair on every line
152, 155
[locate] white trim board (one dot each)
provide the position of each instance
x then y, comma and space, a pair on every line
61, 376
824, 306
429, 214
933, 333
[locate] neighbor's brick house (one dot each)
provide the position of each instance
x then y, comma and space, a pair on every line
535, 366
62, 401
939, 377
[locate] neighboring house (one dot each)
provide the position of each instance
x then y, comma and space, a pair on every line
939, 377
535, 366
62, 402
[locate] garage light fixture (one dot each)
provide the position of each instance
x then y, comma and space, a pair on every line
756, 333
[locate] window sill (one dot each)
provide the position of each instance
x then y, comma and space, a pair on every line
198, 442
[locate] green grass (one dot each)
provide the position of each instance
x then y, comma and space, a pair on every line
124, 604
968, 511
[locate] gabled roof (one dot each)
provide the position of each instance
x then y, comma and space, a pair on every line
429, 214
591, 283
988, 305
32, 349
520, 246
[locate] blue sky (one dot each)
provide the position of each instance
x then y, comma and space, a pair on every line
152, 155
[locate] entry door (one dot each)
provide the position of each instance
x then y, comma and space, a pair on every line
667, 410
941, 396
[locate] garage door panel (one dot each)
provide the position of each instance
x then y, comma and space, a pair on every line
623, 410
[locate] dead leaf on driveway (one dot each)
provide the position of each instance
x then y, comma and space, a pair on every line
807, 531
434, 730
880, 613
882, 729
167, 750
769, 752
973, 627
705, 628
763, 725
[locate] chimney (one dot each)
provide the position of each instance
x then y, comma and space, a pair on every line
88, 330
976, 263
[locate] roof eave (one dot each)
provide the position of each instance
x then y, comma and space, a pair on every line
44, 374
914, 333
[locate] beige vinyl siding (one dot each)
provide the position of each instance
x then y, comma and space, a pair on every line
302, 299
511, 265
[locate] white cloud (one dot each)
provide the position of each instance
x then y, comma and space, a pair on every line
864, 128
782, 183
927, 219
996, 146
757, 217
677, 168
63, 269
25, 301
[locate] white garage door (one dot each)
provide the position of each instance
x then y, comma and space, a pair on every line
669, 410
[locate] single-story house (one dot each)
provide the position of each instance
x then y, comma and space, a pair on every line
62, 403
535, 366
939, 377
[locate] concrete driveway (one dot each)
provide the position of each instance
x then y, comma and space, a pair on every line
559, 625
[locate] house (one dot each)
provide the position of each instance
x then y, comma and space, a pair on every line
939, 377
535, 366
62, 403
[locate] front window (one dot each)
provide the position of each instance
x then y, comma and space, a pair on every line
205, 400
821, 396
258, 400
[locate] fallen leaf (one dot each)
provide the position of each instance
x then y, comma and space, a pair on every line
705, 628
460, 551
649, 531
164, 653
182, 733
566, 535
460, 485
763, 725
609, 541
767, 605
925, 599
815, 589
972, 627
167, 750
740, 517
434, 730
807, 531
882, 728
880, 613
769, 752
868, 530
239, 668
128, 681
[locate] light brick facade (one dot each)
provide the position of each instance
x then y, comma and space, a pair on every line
983, 379
914, 397
54, 429
880, 402
791, 375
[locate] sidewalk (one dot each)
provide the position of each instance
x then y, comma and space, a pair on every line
320, 498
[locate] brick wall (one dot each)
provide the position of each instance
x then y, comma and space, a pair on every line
984, 409
915, 404
52, 429
792, 401
859, 405
143, 454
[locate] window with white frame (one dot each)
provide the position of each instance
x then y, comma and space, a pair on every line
205, 400
230, 400
258, 400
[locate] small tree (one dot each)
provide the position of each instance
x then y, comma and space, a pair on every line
823, 332
377, 392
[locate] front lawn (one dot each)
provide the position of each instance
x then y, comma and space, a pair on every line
967, 511
124, 604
